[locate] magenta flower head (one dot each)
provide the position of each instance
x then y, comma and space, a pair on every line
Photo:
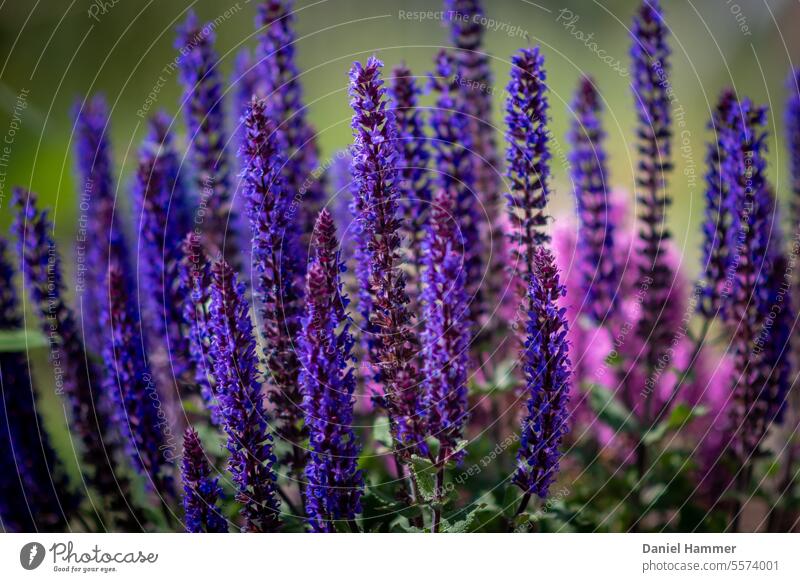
375, 159
547, 373
98, 195
201, 491
447, 327
276, 268
234, 365
528, 156
335, 485
80, 382
36, 493
205, 123
592, 192
282, 89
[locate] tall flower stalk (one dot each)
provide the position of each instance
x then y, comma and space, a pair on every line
205, 123
374, 169
592, 191
201, 491
76, 376
239, 392
276, 267
335, 484
547, 375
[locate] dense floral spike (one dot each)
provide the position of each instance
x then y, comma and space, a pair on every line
793, 138
77, 377
97, 194
592, 191
475, 80
161, 206
34, 492
129, 384
374, 170
528, 156
652, 93
447, 332
547, 373
455, 171
205, 122
414, 186
716, 261
201, 491
335, 485
285, 94
276, 269
234, 365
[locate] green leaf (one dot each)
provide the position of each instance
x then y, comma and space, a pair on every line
425, 475
611, 411
21, 340
381, 431
463, 525
678, 418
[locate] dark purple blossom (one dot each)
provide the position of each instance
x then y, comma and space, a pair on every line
375, 159
528, 157
792, 121
76, 375
205, 122
282, 88
201, 491
592, 191
453, 154
276, 268
335, 485
234, 365
35, 494
447, 327
547, 375
98, 196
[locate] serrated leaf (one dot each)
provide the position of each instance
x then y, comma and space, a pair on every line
425, 476
463, 525
21, 340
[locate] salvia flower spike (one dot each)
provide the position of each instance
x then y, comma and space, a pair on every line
547, 375
201, 491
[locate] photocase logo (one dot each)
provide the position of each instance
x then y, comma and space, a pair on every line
31, 555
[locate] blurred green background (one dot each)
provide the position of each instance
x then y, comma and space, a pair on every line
58, 50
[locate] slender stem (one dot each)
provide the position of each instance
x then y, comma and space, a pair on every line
523, 504
437, 507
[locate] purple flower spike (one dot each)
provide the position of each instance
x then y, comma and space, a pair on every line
79, 380
414, 187
276, 271
528, 156
547, 373
447, 332
716, 287
285, 95
97, 194
205, 122
375, 159
334, 485
200, 491
234, 365
453, 145
130, 385
36, 496
793, 139
590, 182
162, 207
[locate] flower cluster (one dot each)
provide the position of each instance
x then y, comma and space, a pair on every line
200, 491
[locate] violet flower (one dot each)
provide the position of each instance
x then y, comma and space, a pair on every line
335, 485
79, 380
276, 268
234, 365
592, 191
447, 327
284, 92
792, 121
547, 373
201, 491
375, 159
205, 122
453, 149
528, 157
98, 195
36, 495
129, 384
